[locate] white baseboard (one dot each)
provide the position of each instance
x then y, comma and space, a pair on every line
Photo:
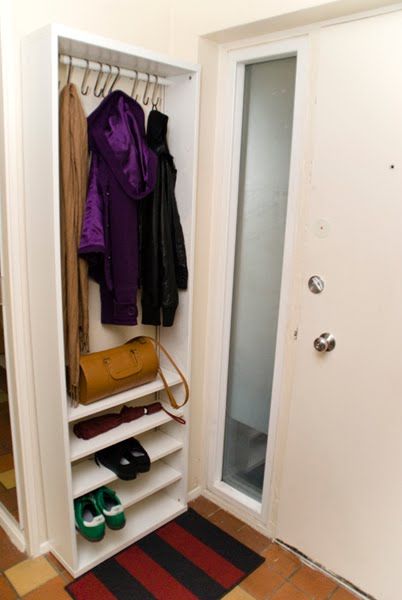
10, 526
194, 493
44, 548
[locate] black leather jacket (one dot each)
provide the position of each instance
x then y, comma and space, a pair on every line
163, 252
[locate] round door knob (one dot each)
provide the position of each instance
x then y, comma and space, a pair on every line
324, 343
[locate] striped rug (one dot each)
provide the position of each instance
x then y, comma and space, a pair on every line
187, 559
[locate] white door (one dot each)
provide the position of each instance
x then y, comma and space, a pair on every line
340, 498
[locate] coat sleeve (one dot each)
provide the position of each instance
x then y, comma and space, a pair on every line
92, 244
92, 233
150, 251
169, 292
179, 247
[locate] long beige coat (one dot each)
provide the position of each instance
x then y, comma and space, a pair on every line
74, 174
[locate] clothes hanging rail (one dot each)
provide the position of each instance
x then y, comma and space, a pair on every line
81, 63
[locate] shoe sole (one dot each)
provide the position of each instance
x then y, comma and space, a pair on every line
88, 538
116, 528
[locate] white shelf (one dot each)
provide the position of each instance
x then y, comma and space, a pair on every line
82, 411
159, 477
88, 476
142, 518
80, 448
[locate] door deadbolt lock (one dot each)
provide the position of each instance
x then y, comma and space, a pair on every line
325, 343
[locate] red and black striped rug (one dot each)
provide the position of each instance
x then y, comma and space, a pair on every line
187, 559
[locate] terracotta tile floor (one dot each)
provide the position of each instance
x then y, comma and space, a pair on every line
281, 577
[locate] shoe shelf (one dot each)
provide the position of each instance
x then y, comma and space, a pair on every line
142, 519
80, 448
159, 477
87, 475
82, 411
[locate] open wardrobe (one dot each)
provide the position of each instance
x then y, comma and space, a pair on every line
95, 109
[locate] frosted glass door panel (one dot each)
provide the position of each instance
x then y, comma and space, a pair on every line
263, 191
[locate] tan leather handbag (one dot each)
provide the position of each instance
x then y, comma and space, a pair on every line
119, 369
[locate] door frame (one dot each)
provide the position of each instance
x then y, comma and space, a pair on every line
224, 218
29, 533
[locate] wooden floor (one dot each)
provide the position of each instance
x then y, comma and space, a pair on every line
281, 577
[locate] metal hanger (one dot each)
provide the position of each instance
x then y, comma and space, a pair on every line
85, 79
70, 70
146, 100
114, 80
135, 85
154, 101
106, 81
98, 79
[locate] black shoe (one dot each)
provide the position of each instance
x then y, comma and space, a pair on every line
138, 454
118, 459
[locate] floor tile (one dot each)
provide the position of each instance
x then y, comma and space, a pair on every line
65, 575
59, 568
313, 583
7, 478
9, 555
30, 574
52, 590
204, 507
226, 521
238, 594
262, 583
6, 591
6, 462
342, 594
252, 538
54, 562
282, 561
289, 592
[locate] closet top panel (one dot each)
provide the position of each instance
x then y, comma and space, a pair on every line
92, 47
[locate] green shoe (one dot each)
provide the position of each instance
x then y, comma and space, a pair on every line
89, 519
111, 507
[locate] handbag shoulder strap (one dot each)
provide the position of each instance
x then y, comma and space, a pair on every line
169, 392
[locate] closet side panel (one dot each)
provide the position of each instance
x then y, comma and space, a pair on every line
41, 165
182, 107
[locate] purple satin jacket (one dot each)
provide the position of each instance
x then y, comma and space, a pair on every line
123, 170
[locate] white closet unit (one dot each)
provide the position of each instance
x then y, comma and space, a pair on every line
68, 467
